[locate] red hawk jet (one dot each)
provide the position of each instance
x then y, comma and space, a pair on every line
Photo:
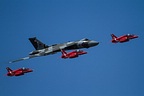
18, 72
123, 38
72, 54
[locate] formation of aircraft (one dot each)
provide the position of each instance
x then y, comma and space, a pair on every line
18, 72
123, 38
42, 49
72, 54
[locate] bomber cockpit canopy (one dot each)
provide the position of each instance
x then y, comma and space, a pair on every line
85, 39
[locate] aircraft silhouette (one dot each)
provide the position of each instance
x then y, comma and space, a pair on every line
42, 49
18, 72
72, 54
122, 39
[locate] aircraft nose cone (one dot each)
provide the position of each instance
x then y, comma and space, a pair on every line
93, 43
29, 70
136, 36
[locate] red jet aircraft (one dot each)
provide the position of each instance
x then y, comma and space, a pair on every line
123, 38
18, 72
72, 54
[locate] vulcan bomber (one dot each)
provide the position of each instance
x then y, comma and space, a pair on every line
42, 49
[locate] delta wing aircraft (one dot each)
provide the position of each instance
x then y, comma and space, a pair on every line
42, 49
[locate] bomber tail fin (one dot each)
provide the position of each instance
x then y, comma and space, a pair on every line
8, 69
37, 44
113, 36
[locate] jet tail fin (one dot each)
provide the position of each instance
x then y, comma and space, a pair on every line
37, 44
8, 69
63, 52
113, 36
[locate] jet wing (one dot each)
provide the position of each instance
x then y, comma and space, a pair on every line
25, 58
68, 46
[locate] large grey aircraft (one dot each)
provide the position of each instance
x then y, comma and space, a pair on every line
42, 49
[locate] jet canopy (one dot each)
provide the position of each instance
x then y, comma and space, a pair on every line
85, 39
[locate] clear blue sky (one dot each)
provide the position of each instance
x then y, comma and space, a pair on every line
107, 70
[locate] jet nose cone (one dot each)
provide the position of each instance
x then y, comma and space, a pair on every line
30, 70
93, 43
136, 36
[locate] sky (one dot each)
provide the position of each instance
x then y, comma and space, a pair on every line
107, 70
